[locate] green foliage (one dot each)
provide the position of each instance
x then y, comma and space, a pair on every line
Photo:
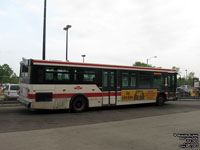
7, 75
141, 64
184, 80
189, 79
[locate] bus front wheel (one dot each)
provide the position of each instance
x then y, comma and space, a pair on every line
79, 104
160, 100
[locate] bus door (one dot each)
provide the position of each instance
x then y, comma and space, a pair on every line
109, 87
170, 83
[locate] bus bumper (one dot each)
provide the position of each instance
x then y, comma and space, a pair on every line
26, 103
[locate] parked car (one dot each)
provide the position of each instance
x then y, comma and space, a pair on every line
198, 91
183, 90
180, 92
186, 88
11, 91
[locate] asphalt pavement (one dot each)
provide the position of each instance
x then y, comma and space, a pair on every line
139, 127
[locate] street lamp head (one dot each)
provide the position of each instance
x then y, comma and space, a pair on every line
67, 27
150, 58
83, 55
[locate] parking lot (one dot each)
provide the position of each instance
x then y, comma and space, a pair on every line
128, 127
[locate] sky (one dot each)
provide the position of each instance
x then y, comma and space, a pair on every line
118, 32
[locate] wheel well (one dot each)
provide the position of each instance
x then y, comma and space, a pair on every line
79, 95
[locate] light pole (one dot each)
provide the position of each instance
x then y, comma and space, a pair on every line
66, 29
44, 32
150, 58
83, 57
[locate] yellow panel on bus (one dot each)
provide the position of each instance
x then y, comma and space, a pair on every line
129, 95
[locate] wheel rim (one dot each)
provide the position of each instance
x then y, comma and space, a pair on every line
79, 104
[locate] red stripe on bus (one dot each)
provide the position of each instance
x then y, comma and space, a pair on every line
69, 95
62, 95
99, 65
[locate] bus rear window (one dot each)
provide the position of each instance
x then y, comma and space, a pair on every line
24, 71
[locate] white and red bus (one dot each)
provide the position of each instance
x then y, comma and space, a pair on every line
78, 86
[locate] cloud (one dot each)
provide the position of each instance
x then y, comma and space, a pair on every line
33, 6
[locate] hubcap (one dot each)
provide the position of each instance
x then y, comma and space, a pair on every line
79, 104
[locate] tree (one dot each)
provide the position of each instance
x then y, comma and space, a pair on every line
184, 80
189, 78
141, 64
7, 75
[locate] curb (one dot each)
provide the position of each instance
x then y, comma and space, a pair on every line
9, 105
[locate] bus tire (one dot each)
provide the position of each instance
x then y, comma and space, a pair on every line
160, 100
78, 104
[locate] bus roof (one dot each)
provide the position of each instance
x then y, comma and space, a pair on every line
103, 66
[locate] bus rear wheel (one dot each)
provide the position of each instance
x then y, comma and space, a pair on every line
160, 100
79, 104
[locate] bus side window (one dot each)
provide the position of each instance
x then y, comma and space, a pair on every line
128, 80
89, 76
63, 74
49, 74
158, 81
125, 77
112, 79
145, 80
105, 79
84, 75
133, 79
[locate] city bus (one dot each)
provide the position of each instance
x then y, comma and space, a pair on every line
78, 86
